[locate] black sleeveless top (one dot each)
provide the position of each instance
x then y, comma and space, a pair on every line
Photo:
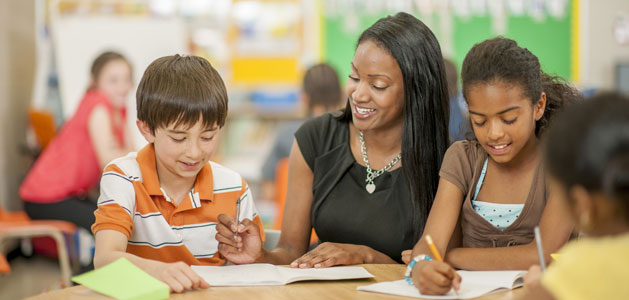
342, 210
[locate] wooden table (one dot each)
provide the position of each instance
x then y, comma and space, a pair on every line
342, 289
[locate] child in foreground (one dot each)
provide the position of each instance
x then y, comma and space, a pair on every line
158, 207
587, 157
492, 191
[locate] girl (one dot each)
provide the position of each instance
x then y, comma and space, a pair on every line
587, 158
71, 164
355, 176
494, 185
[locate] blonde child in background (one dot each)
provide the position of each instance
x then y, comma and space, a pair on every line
495, 186
587, 158
158, 207
70, 166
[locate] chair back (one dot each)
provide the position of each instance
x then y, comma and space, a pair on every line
43, 124
281, 187
272, 236
5, 268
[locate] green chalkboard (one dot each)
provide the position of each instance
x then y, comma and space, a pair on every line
549, 39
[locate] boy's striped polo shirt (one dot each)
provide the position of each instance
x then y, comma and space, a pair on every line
132, 202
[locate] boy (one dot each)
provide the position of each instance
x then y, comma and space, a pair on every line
158, 207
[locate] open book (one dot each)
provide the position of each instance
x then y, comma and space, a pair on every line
267, 274
473, 284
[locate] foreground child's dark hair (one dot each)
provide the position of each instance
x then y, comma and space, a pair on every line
589, 146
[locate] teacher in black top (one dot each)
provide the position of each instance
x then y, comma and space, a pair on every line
363, 178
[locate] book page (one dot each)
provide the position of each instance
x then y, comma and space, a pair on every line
473, 284
267, 274
240, 275
332, 273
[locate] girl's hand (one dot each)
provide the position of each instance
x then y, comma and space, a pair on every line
435, 277
178, 276
406, 256
532, 277
246, 247
331, 254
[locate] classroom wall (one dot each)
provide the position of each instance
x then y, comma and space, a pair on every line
3, 84
600, 52
17, 65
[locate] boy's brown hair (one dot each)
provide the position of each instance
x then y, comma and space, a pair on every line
181, 90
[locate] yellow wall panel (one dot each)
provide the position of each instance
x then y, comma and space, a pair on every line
265, 70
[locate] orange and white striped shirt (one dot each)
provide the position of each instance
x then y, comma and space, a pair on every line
132, 202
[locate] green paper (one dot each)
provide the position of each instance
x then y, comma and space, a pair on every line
123, 280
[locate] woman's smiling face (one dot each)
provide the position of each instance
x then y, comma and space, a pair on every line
375, 88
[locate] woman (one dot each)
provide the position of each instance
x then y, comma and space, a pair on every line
363, 178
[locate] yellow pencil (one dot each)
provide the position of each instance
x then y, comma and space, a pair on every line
433, 248
437, 255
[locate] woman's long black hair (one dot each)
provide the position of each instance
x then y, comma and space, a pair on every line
425, 135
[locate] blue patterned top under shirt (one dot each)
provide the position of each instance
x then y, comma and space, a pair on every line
499, 215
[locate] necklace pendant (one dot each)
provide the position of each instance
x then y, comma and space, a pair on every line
370, 187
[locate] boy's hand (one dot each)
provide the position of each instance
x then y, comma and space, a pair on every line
406, 256
246, 247
531, 279
178, 276
435, 277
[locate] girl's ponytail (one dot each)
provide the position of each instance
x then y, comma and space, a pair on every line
558, 94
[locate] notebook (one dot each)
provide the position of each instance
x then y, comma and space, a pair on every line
267, 274
473, 284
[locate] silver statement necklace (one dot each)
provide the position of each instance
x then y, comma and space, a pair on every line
371, 174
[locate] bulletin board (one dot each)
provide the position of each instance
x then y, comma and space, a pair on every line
551, 39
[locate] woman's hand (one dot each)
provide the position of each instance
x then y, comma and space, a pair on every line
435, 277
178, 276
406, 256
246, 247
532, 277
332, 254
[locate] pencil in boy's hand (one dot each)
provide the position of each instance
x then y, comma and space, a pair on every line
433, 248
237, 218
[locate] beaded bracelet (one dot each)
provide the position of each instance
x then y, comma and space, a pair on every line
407, 274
